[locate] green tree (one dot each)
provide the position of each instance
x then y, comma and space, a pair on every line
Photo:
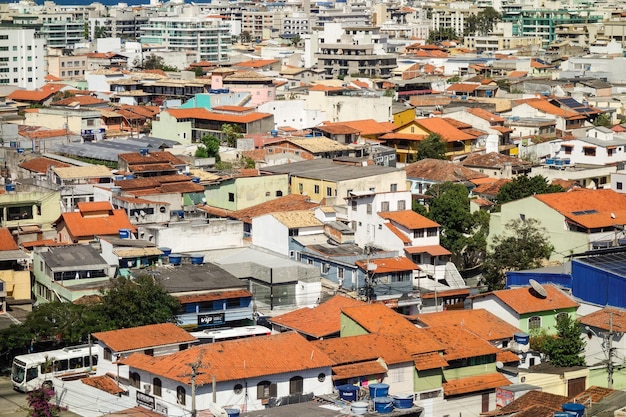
39, 403
155, 62
100, 32
138, 302
603, 120
471, 25
431, 147
523, 245
524, 186
210, 148
566, 349
231, 133
245, 37
296, 40
462, 232
443, 34
487, 19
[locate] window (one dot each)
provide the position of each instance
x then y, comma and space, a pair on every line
325, 268
149, 352
238, 389
369, 208
384, 206
618, 185
156, 386
181, 395
296, 385
135, 380
432, 232
401, 205
393, 187
108, 355
265, 390
534, 322
293, 232
300, 188
522, 217
279, 193
231, 197
589, 150
353, 205
316, 189
417, 233
340, 273
561, 316
329, 192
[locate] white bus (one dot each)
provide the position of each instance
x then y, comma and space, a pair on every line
32, 370
229, 333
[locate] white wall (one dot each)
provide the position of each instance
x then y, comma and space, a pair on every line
496, 307
292, 113
185, 236
270, 234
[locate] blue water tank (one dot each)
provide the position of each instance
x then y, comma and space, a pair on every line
274, 133
379, 390
383, 404
9, 187
197, 259
124, 233
347, 392
195, 180
144, 151
166, 251
521, 338
20, 150
176, 259
129, 177
232, 412
403, 400
214, 91
578, 409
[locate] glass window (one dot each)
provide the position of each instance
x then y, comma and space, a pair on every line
76, 363
181, 395
384, 206
135, 380
265, 390
296, 385
534, 322
156, 386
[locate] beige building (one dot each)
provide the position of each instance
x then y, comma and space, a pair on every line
67, 67
495, 43
87, 123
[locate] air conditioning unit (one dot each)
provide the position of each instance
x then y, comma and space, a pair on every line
146, 387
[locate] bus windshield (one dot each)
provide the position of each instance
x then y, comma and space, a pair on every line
18, 372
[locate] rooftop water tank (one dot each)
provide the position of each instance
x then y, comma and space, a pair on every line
347, 392
166, 251
577, 409
383, 404
9, 188
124, 233
378, 390
197, 259
176, 259
144, 151
521, 338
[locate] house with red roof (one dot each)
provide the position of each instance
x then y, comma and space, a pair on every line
575, 221
486, 121
527, 307
541, 108
97, 218
42, 96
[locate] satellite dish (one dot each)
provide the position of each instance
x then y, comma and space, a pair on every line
142, 213
372, 266
217, 411
499, 365
538, 289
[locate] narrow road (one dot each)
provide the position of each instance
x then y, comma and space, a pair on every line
12, 403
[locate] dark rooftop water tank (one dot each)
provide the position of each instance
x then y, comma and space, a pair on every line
347, 392
176, 259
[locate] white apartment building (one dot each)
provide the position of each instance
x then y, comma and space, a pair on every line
22, 61
209, 39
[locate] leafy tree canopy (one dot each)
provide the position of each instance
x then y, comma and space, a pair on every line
524, 186
431, 147
523, 245
567, 347
210, 148
153, 62
231, 132
603, 120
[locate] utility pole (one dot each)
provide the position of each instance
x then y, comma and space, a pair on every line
609, 347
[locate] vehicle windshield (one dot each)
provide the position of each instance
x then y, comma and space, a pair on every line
17, 373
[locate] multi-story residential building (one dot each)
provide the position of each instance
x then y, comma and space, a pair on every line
123, 23
262, 24
22, 54
67, 67
207, 38
296, 23
62, 32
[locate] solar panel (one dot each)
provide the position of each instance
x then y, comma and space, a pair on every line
614, 262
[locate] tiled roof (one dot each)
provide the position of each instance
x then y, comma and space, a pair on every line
144, 337
463, 87
441, 171
475, 384
545, 106
84, 100
507, 357
204, 114
91, 206
354, 370
213, 296
523, 299
36, 95
151, 157
235, 109
367, 127
444, 129
6, 240
517, 74
589, 208
297, 218
84, 227
433, 250
256, 63
409, 219
386, 265
481, 202
237, 360
480, 322
319, 321
593, 393
40, 165
460, 342
289, 202
533, 398
404, 238
104, 383
490, 188
338, 129
605, 318
493, 160
430, 360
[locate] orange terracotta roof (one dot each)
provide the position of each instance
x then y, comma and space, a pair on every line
480, 322
359, 369
251, 357
534, 398
444, 294
409, 219
367, 127
460, 342
204, 114
593, 393
152, 157
588, 208
523, 299
256, 63
50, 77
433, 250
602, 319
430, 360
545, 106
144, 337
338, 129
501, 129
441, 170
31, 95
322, 87
40, 165
84, 100
463, 87
402, 136
507, 356
317, 322
213, 296
43, 133
474, 384
491, 188
444, 129
104, 383
518, 74
6, 240
85, 227
36, 243
386, 265
238, 109
404, 238
486, 115
290, 202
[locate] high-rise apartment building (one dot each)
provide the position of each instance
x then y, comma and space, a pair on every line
22, 53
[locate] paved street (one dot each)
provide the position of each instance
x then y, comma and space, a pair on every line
12, 403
